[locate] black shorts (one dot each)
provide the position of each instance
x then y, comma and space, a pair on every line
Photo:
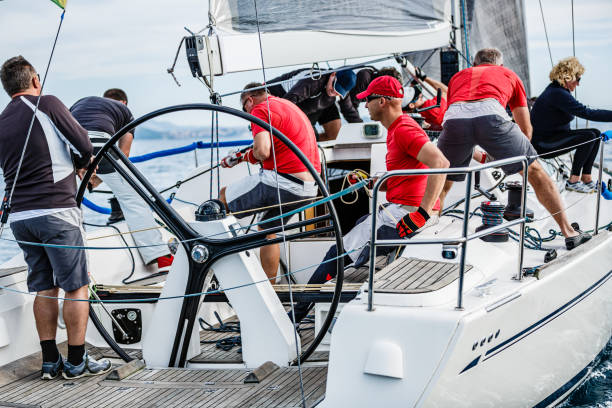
325, 115
49, 268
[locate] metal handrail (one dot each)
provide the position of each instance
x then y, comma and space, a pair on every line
600, 172
465, 237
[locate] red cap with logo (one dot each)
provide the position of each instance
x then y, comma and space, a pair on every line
383, 86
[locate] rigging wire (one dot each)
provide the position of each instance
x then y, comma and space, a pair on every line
212, 132
217, 148
574, 53
280, 208
465, 32
546, 34
7, 204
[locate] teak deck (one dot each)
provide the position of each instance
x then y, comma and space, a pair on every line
21, 386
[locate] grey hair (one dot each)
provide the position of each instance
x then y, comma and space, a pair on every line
489, 56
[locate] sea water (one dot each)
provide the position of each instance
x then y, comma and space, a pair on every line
596, 392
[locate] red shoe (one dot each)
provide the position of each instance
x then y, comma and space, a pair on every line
164, 262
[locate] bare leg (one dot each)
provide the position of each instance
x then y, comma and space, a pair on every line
270, 257
447, 186
573, 178
332, 128
222, 197
45, 314
76, 315
549, 197
586, 178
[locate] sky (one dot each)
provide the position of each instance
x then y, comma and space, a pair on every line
129, 44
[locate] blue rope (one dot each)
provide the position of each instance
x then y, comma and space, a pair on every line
169, 152
190, 294
104, 210
288, 214
95, 207
188, 148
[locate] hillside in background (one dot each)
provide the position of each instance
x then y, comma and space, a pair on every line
165, 130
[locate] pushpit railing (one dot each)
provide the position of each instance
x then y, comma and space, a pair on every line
465, 237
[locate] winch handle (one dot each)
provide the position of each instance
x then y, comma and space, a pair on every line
437, 105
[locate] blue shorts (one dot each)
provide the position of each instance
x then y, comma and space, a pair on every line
48, 267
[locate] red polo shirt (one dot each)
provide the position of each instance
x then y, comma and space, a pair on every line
405, 138
293, 123
434, 116
487, 81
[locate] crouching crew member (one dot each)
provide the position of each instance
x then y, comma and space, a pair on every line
413, 200
44, 210
293, 179
103, 117
476, 115
316, 97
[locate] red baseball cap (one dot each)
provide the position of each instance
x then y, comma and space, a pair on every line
384, 86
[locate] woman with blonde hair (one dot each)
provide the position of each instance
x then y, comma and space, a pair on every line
551, 116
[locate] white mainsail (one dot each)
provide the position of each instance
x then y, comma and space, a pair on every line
300, 32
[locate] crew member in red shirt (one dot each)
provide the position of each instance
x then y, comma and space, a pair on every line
293, 180
434, 116
413, 200
476, 115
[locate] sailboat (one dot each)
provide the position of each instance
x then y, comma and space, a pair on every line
454, 319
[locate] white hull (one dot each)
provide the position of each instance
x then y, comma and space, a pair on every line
515, 344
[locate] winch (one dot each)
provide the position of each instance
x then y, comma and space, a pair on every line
492, 215
513, 209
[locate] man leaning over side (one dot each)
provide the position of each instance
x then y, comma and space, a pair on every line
44, 210
476, 115
413, 200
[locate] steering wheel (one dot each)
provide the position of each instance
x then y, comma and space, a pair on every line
217, 248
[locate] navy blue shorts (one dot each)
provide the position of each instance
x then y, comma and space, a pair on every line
48, 267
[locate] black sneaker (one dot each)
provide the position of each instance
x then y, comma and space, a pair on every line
88, 367
573, 242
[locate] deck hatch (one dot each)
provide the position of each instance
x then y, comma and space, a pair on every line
413, 275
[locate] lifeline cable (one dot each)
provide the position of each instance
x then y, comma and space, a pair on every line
210, 292
290, 213
6, 206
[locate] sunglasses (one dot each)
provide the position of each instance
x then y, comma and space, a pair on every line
373, 97
578, 79
244, 104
